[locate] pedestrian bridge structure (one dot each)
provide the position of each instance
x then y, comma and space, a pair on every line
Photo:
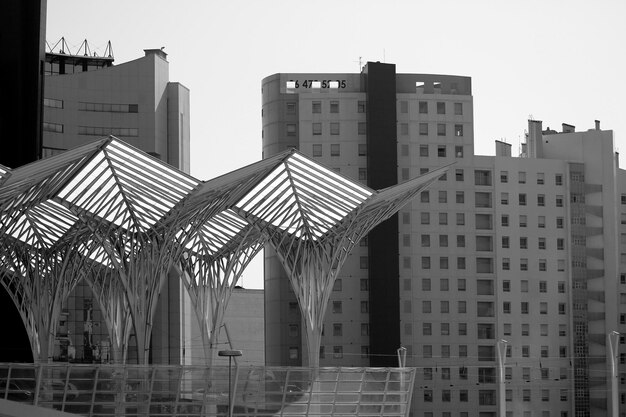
159, 390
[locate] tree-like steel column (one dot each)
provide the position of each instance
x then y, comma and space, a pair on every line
313, 218
39, 282
110, 295
211, 267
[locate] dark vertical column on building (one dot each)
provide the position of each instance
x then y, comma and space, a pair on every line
382, 167
22, 42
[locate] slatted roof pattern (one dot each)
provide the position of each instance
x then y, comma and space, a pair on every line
216, 234
124, 186
303, 198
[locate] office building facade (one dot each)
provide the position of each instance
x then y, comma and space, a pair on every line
86, 97
521, 255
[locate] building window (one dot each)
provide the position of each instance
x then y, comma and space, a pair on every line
524, 306
428, 396
461, 308
293, 352
362, 128
423, 129
55, 104
522, 199
461, 284
458, 130
559, 201
443, 262
425, 284
460, 197
334, 107
540, 178
460, 241
361, 107
441, 107
52, 127
459, 175
542, 243
404, 129
317, 107
365, 307
506, 264
541, 200
337, 307
364, 263
364, 284
423, 107
443, 219
521, 177
441, 151
559, 222
458, 151
365, 351
335, 149
543, 308
562, 308
334, 128
541, 222
443, 196
337, 352
505, 242
110, 108
558, 179
441, 129
458, 109
504, 176
317, 150
463, 354
426, 307
404, 106
506, 307
504, 220
337, 329
425, 262
290, 107
317, 129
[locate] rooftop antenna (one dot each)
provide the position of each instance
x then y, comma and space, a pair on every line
360, 63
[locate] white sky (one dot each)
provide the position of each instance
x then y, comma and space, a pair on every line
559, 61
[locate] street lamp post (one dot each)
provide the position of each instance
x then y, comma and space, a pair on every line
502, 346
230, 354
613, 346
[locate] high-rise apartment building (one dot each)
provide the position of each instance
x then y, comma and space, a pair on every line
520, 255
86, 97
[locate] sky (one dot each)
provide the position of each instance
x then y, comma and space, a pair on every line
550, 60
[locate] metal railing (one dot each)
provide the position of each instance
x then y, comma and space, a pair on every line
161, 390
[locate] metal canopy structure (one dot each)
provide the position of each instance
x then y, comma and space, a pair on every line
313, 217
122, 220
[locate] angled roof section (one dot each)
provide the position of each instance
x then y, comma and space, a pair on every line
126, 187
304, 198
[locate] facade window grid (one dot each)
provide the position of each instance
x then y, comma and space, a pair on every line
104, 131
108, 107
